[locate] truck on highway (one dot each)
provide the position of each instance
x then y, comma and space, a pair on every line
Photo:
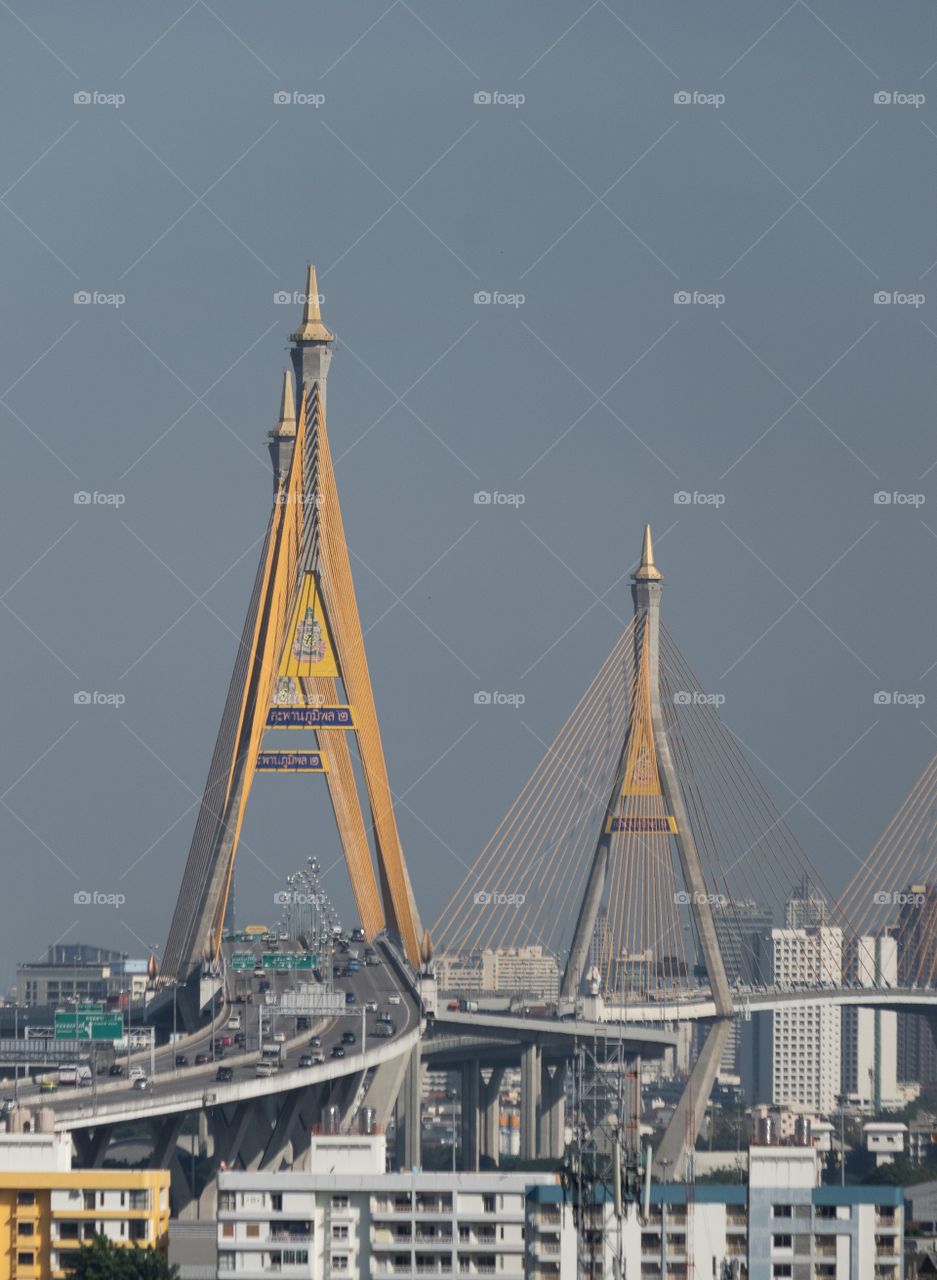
468, 1006
76, 1074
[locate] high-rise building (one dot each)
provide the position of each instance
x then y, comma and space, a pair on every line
806, 908
870, 1036
916, 937
798, 1050
522, 971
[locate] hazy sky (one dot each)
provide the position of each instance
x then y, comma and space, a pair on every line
782, 198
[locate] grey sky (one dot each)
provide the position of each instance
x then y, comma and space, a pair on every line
600, 197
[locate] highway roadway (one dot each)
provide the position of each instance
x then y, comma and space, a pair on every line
181, 1088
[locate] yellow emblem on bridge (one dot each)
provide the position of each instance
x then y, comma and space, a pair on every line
309, 650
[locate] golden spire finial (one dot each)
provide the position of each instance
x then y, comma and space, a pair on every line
286, 423
647, 570
312, 329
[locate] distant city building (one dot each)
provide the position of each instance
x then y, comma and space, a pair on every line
798, 1048
76, 971
742, 925
527, 971
916, 936
870, 1036
806, 908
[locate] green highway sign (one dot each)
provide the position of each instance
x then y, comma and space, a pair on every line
243, 960
89, 1026
287, 961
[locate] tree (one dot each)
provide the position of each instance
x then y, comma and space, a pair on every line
104, 1260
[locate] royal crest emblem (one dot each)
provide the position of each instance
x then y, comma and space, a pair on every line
309, 642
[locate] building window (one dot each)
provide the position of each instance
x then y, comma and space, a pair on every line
228, 1230
276, 1202
488, 1204
25, 1259
782, 1242
227, 1201
340, 1202
781, 1211
138, 1199
226, 1260
340, 1261
781, 1269
138, 1230
295, 1257
252, 1231
24, 1229
26, 1197
340, 1231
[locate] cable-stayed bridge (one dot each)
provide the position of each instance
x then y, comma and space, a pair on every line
632, 856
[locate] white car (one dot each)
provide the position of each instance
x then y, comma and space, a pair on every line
278, 1037
393, 999
137, 1073
264, 1070
141, 1082
370, 1006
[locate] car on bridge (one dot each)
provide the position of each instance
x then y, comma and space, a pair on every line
349, 1037
49, 1086
141, 1084
338, 1051
181, 1060
394, 999
315, 1042
350, 997
371, 1006
224, 1075
265, 1069
115, 1069
311, 1059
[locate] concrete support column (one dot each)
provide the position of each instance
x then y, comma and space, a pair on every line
471, 1106
530, 1099
490, 1135
409, 1102
552, 1142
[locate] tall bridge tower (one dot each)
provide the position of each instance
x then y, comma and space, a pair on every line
300, 665
646, 796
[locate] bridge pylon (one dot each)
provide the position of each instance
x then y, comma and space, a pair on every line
646, 797
300, 665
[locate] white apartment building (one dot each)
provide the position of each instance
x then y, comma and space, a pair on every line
528, 971
799, 1049
783, 1224
870, 1036
349, 1218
